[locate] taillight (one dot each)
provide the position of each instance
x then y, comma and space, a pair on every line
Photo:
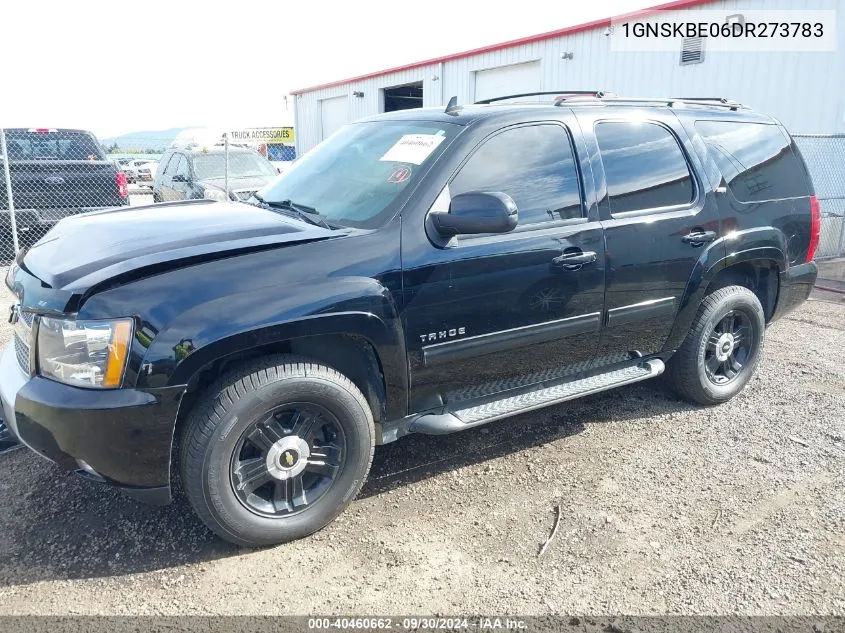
122, 185
815, 227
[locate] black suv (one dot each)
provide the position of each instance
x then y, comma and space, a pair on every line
196, 172
422, 271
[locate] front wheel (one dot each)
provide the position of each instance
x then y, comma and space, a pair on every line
276, 451
721, 351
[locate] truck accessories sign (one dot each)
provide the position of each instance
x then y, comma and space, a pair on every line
272, 135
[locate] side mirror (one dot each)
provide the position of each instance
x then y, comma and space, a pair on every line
477, 212
180, 178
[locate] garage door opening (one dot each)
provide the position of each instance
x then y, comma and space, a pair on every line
334, 114
403, 97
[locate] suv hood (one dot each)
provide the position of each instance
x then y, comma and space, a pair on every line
84, 250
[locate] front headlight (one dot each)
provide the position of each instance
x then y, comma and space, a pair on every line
84, 353
212, 193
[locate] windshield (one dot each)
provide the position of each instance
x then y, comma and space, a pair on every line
356, 176
241, 165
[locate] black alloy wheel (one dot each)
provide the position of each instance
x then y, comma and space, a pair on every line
722, 347
275, 450
729, 347
288, 459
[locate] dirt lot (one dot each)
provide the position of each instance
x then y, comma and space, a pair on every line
665, 508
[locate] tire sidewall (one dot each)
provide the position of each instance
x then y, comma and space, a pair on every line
749, 305
221, 499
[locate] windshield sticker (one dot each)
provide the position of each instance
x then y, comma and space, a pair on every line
413, 148
400, 174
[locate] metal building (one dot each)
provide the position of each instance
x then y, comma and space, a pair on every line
805, 90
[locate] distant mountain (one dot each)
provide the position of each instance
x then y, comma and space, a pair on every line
143, 141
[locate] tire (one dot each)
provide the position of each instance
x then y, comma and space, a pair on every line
690, 371
252, 419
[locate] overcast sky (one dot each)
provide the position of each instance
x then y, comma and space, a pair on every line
115, 66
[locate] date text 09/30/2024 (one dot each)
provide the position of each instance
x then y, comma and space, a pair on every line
418, 623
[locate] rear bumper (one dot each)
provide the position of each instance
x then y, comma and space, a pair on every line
796, 284
122, 437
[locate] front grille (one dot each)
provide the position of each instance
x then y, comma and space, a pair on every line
23, 338
22, 352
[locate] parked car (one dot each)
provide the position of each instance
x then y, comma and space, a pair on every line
197, 172
56, 173
125, 165
138, 170
420, 271
146, 172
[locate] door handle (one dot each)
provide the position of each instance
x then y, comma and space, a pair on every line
574, 261
697, 238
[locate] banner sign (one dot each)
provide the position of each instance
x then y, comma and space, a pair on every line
269, 135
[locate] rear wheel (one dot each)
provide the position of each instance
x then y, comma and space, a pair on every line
722, 349
276, 451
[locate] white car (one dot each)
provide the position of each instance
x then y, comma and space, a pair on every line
138, 170
145, 171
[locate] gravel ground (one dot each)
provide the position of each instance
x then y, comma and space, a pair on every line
665, 508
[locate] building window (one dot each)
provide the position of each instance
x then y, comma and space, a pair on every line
692, 51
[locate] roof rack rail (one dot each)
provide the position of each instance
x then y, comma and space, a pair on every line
719, 99
560, 93
565, 97
718, 102
711, 102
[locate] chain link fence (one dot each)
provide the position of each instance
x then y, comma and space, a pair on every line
49, 174
825, 158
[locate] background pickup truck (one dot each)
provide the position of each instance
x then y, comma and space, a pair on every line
55, 173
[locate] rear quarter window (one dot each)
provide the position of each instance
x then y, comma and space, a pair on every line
756, 160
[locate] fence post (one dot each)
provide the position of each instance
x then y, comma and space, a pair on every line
226, 170
841, 250
7, 174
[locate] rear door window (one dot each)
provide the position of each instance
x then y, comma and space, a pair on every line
534, 165
644, 166
756, 160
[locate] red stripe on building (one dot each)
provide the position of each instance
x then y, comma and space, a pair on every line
569, 30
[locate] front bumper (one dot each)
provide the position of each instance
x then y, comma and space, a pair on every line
122, 437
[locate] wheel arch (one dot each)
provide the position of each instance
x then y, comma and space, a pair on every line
357, 344
754, 260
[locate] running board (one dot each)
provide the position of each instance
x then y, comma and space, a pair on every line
543, 395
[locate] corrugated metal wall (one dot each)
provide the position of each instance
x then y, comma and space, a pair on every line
806, 91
